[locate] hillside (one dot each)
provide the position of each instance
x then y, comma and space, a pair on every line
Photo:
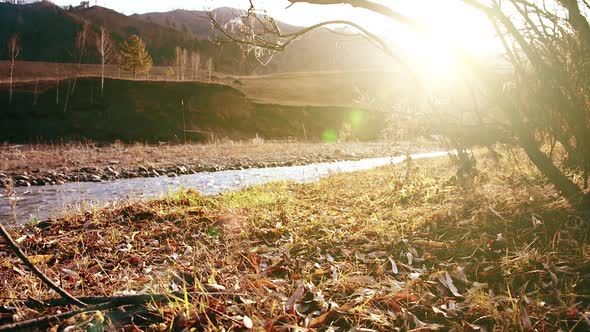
192, 21
319, 50
52, 36
48, 33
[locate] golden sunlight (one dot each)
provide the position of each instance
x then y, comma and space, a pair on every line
455, 24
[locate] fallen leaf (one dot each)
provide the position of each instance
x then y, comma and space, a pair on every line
295, 297
525, 319
247, 322
468, 327
322, 319
267, 284
21, 239
405, 297
429, 243
393, 266
141, 280
448, 282
19, 271
410, 258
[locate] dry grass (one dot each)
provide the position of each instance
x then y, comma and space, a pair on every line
330, 88
29, 71
368, 251
323, 88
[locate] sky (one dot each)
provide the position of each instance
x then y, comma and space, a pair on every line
463, 25
296, 15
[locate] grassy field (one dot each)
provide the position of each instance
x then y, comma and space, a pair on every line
327, 88
407, 247
331, 88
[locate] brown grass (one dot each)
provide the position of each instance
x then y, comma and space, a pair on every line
322, 88
365, 251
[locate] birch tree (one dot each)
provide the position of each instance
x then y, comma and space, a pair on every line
105, 48
81, 43
196, 61
14, 49
210, 68
183, 63
178, 54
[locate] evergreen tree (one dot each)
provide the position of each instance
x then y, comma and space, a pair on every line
134, 56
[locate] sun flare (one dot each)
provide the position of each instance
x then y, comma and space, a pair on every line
455, 26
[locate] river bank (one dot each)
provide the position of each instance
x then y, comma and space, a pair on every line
44, 164
26, 204
408, 248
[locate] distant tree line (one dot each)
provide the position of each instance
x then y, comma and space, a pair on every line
132, 56
49, 34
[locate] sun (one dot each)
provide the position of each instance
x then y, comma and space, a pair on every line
454, 26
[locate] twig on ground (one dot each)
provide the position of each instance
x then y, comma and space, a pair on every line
124, 299
101, 303
62, 292
47, 320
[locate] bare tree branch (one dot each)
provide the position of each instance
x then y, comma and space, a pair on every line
20, 254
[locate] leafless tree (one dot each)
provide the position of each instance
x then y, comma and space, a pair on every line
14, 49
183, 63
82, 42
178, 54
210, 68
195, 61
547, 46
57, 79
105, 48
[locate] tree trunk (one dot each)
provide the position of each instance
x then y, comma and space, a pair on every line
10, 81
568, 188
102, 79
578, 21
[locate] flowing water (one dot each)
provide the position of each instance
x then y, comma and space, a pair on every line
42, 202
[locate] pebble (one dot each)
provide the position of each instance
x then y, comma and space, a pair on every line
94, 174
95, 178
22, 178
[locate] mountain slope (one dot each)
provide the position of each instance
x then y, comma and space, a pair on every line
159, 40
48, 33
45, 31
318, 50
195, 22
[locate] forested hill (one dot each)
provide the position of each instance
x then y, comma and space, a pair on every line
48, 33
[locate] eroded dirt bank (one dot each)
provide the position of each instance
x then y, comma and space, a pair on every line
153, 111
